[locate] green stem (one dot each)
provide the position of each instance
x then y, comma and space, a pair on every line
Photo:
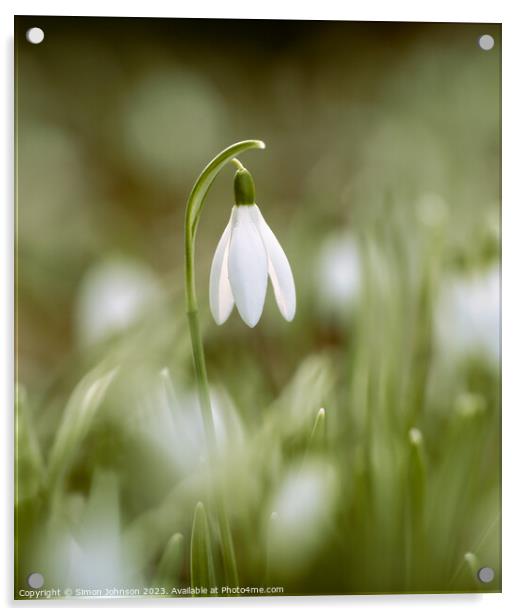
238, 164
192, 216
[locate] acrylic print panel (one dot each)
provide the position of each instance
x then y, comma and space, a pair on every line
302, 398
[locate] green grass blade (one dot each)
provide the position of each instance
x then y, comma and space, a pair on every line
77, 420
416, 473
202, 564
170, 565
318, 435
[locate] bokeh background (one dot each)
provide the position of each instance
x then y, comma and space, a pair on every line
381, 180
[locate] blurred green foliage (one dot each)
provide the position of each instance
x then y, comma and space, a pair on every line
381, 180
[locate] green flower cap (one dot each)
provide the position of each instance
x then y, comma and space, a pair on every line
243, 188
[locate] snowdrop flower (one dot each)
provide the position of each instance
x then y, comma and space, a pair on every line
87, 549
467, 319
248, 253
339, 273
301, 508
113, 296
168, 420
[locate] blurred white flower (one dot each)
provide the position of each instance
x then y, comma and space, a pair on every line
113, 295
299, 515
96, 555
247, 254
467, 317
172, 422
86, 550
338, 273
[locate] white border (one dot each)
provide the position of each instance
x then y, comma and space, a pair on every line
399, 10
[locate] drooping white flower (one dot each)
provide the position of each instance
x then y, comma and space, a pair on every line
83, 546
247, 254
167, 419
339, 274
301, 507
113, 296
467, 315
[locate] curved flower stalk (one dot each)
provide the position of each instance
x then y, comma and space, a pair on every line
247, 255
192, 216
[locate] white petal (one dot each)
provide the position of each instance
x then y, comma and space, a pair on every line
279, 269
247, 265
220, 294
